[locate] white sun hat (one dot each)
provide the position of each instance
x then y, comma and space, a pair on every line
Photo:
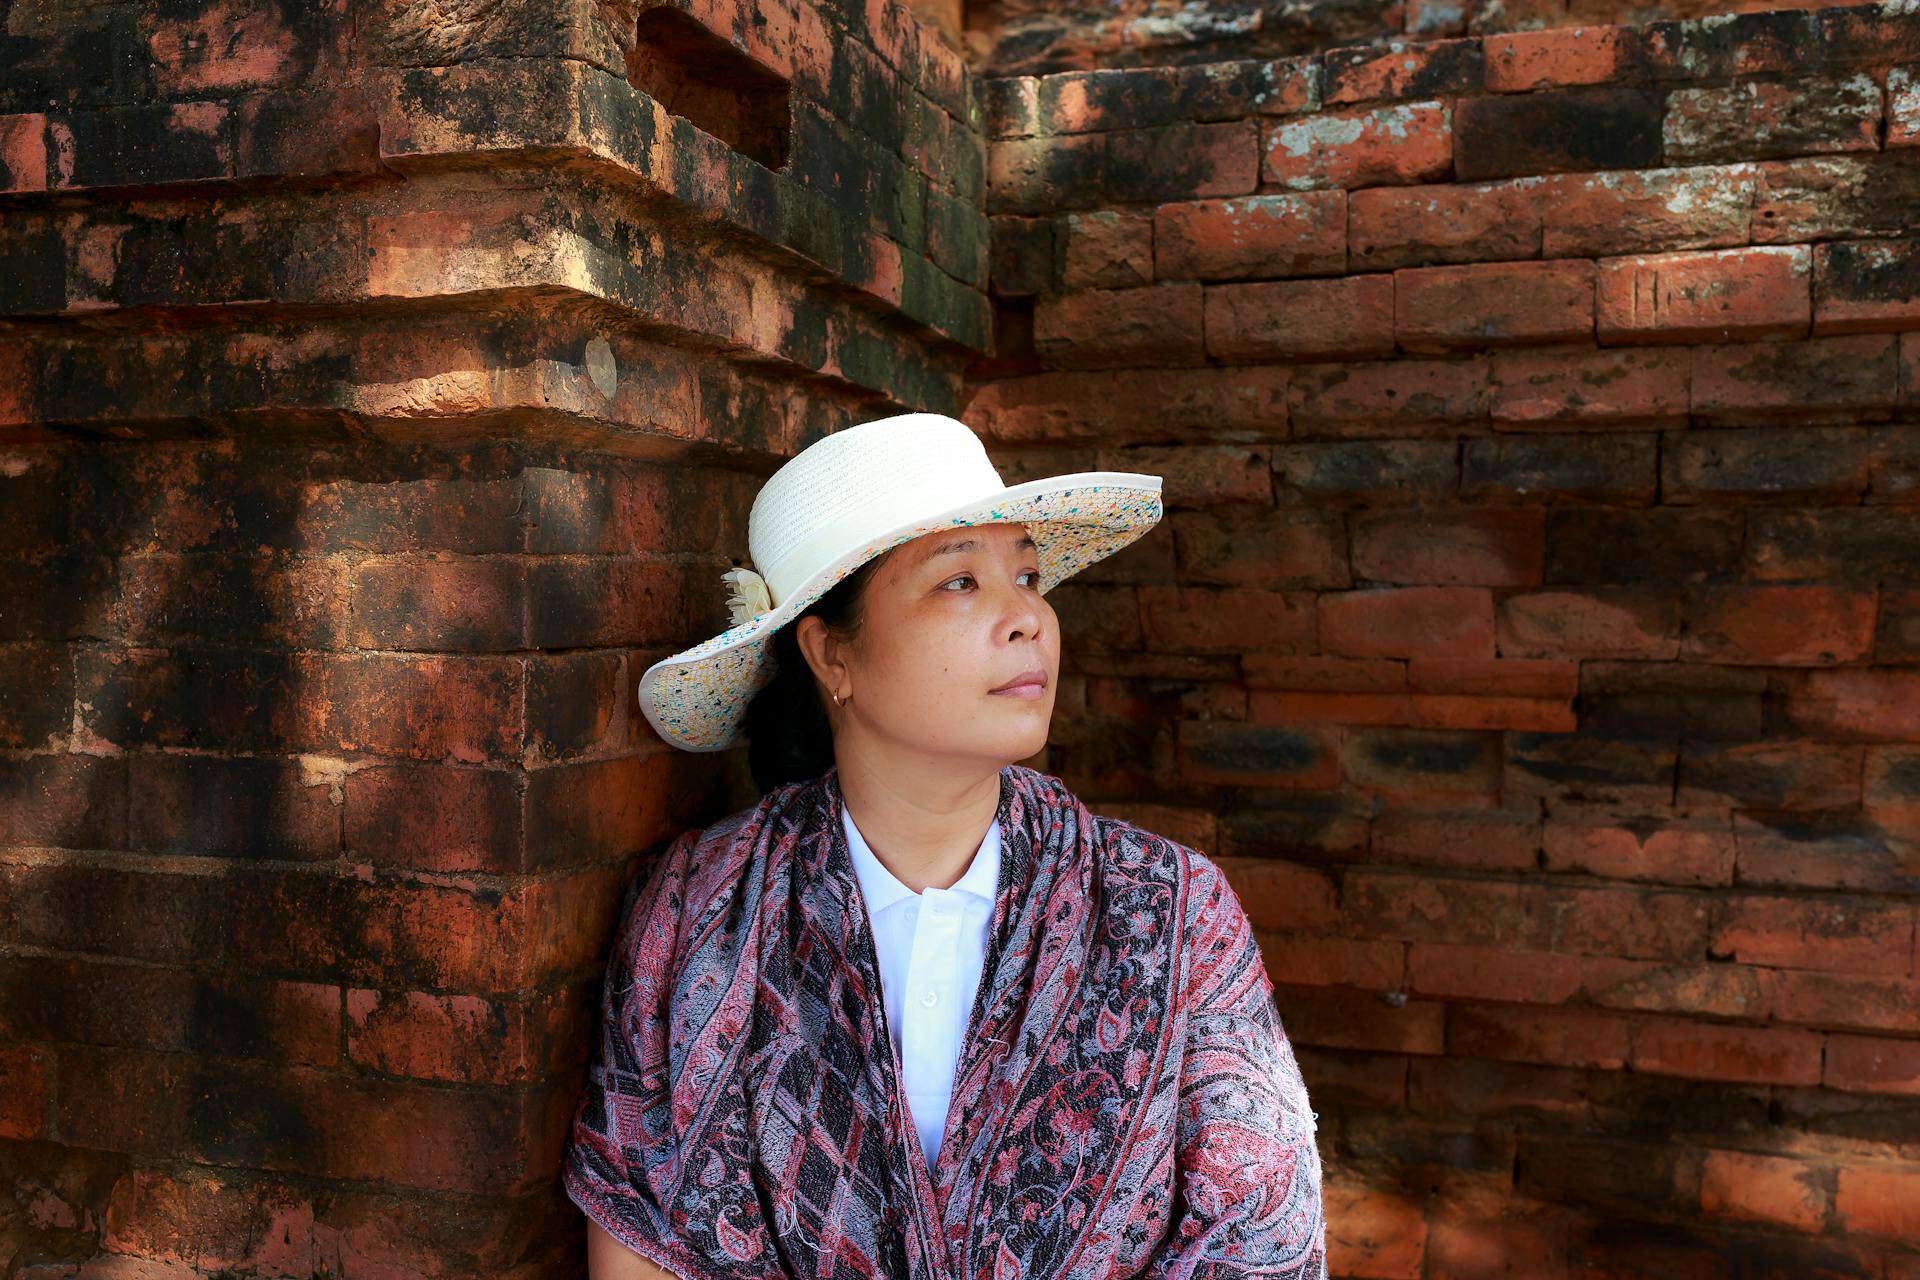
845, 499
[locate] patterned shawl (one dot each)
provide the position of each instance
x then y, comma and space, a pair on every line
1126, 1102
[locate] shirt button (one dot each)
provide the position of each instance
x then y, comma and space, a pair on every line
930, 999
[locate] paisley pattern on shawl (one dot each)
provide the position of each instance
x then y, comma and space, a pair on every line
1126, 1103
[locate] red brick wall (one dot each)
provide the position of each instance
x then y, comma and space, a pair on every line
379, 396
1533, 629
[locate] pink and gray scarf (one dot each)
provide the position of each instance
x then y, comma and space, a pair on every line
1126, 1102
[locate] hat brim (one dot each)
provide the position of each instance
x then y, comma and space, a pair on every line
697, 698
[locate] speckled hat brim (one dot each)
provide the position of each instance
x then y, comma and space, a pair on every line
697, 698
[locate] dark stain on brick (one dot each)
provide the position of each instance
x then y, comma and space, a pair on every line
1559, 131
1732, 44
1871, 271
1258, 749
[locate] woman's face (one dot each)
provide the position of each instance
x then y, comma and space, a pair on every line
950, 618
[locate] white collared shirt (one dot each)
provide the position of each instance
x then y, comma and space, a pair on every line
931, 946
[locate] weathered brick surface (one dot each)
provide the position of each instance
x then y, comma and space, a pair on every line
1571, 642
1531, 634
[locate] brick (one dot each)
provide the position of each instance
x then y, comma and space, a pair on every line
1132, 405
63, 801
1011, 106
1393, 398
1331, 962
1641, 923
1641, 547
1685, 700
1607, 622
1280, 895
1625, 1176
1897, 638
1760, 1055
1591, 768
1321, 826
434, 818
1713, 296
1562, 390
1752, 120
1696, 853
1374, 1231
1141, 97
1020, 256
1823, 373
1864, 285
1229, 620
1619, 469
1401, 69
1354, 1077
25, 1086
1277, 234
459, 1039
173, 1010
1765, 462
1301, 319
1449, 1086
250, 807
1903, 107
1484, 548
1858, 704
1181, 162
1646, 209
1325, 675
37, 684
1492, 304
465, 604
1519, 61
1557, 131
1334, 1019
1476, 840
1106, 249
253, 599
143, 1104
1834, 545
1864, 1002
1498, 973
1422, 762
1408, 622
1041, 175
1837, 935
1257, 755
1419, 907
1766, 1189
1773, 626
1893, 467
1843, 849
1878, 1201
1403, 143
1432, 225
1729, 45
1825, 197
1792, 774
1892, 781
1703, 990
1201, 474
1869, 1064
1557, 1037
1505, 677
1365, 472
1255, 547
1108, 328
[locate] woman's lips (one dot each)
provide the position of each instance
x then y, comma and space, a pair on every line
1030, 685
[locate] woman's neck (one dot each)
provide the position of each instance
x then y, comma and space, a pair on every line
923, 825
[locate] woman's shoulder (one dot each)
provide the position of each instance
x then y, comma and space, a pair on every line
1147, 853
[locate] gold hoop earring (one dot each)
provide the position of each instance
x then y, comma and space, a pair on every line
837, 702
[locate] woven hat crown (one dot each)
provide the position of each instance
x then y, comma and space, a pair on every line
847, 488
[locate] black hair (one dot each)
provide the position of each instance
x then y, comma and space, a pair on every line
789, 738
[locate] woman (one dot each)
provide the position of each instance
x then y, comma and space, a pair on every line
918, 1012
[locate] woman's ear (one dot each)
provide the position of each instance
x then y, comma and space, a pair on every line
824, 653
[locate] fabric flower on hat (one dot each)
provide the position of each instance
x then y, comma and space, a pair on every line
749, 596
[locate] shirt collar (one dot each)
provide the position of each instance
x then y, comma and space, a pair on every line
881, 888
